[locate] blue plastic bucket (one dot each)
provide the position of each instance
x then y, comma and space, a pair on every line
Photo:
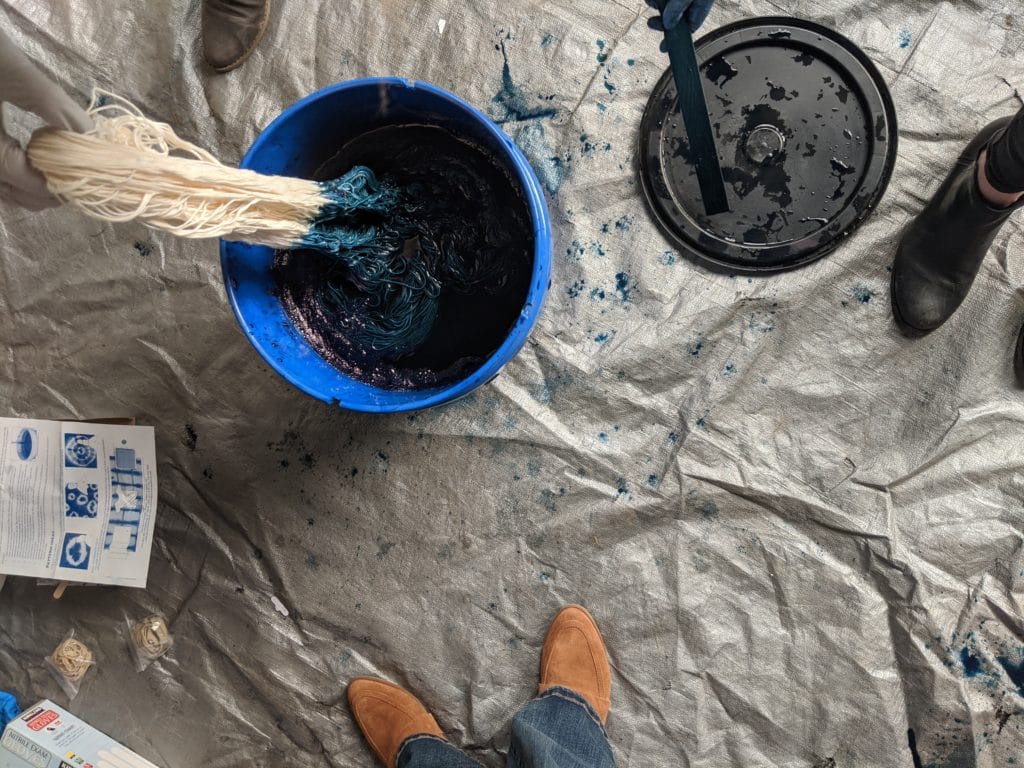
297, 143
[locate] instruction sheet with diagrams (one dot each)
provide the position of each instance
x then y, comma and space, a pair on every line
77, 501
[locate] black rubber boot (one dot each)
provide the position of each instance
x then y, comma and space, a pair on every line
943, 248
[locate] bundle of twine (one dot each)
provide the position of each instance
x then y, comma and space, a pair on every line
72, 658
151, 637
132, 168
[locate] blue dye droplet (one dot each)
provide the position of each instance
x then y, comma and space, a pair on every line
1015, 671
622, 286
971, 663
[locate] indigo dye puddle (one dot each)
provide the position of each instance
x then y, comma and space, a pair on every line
481, 220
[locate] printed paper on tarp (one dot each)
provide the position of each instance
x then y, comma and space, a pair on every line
800, 532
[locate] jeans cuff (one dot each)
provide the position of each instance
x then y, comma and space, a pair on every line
571, 696
416, 737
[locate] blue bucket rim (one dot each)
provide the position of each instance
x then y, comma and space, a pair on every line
539, 279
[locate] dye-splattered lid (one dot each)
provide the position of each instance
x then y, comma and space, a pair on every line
806, 134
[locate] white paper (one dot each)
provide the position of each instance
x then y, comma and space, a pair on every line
77, 501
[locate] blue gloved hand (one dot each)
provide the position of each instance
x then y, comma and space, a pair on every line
694, 11
8, 709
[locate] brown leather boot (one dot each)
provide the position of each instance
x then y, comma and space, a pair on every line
231, 30
388, 715
574, 657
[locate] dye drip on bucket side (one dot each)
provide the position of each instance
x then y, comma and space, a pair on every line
480, 259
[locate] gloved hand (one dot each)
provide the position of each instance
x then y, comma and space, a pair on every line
8, 709
695, 12
24, 86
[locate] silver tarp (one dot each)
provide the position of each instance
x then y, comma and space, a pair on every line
801, 533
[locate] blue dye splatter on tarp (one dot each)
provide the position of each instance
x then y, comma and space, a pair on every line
589, 147
729, 370
597, 294
702, 422
602, 107
862, 293
971, 663
630, 62
1014, 670
602, 55
547, 497
604, 338
576, 288
652, 480
547, 40
609, 85
705, 507
695, 347
904, 38
673, 437
668, 258
145, 250
622, 286
622, 488
550, 167
313, 563
976, 666
511, 105
603, 437
575, 251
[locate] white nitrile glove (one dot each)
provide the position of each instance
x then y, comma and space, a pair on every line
24, 86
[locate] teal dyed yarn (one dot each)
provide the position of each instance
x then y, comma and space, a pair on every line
385, 284
397, 249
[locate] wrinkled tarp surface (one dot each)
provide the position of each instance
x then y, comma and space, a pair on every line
801, 533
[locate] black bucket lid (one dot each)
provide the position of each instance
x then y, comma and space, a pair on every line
806, 135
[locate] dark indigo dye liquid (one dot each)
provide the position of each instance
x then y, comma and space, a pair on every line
472, 204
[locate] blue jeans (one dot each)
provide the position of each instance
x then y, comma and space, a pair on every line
558, 729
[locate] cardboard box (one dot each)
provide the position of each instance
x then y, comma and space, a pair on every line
46, 736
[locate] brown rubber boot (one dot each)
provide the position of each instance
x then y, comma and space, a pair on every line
231, 30
574, 657
388, 715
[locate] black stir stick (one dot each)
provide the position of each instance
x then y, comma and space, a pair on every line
694, 108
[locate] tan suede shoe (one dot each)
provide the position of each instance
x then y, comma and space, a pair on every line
231, 30
388, 715
574, 657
